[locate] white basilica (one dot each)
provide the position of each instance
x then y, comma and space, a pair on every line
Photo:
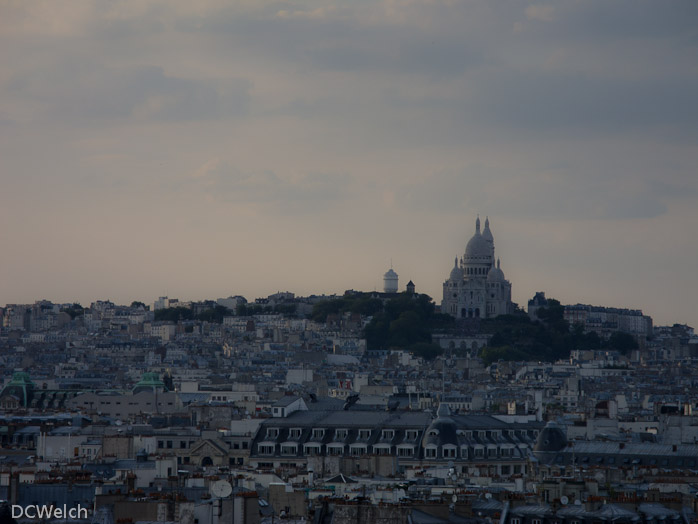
476, 287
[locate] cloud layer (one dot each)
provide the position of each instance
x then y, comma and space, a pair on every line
255, 146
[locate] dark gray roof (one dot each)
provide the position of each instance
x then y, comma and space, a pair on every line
347, 419
613, 513
552, 438
532, 510
285, 401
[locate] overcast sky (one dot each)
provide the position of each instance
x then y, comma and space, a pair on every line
209, 148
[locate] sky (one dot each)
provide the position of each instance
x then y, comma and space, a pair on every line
214, 148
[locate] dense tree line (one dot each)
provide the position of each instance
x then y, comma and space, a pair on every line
75, 310
361, 303
407, 322
516, 337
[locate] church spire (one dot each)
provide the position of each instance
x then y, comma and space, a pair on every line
477, 225
487, 234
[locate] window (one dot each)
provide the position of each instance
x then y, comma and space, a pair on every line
411, 434
272, 432
364, 433
387, 434
295, 433
449, 452
318, 433
311, 449
356, 451
266, 449
341, 434
335, 450
479, 453
404, 452
492, 453
430, 452
289, 450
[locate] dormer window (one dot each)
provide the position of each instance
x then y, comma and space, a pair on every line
364, 433
272, 432
341, 434
411, 434
295, 432
387, 434
318, 433
266, 449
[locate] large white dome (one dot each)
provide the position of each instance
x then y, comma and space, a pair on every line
477, 247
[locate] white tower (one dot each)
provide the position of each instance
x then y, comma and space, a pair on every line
390, 281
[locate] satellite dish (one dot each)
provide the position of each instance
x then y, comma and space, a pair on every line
564, 499
488, 496
221, 489
454, 498
577, 502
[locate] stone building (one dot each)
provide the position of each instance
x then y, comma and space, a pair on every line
476, 287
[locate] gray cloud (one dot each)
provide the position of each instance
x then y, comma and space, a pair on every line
77, 90
565, 194
307, 194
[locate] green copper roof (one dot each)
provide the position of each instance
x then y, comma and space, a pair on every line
21, 378
149, 381
21, 386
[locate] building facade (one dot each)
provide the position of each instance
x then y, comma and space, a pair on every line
476, 287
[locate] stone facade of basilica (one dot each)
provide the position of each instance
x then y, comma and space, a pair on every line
476, 287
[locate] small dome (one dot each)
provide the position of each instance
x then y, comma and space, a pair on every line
495, 274
390, 274
441, 431
552, 438
456, 272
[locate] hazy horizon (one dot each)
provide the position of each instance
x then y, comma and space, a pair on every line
201, 150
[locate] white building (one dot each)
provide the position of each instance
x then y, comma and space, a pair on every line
476, 287
390, 281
